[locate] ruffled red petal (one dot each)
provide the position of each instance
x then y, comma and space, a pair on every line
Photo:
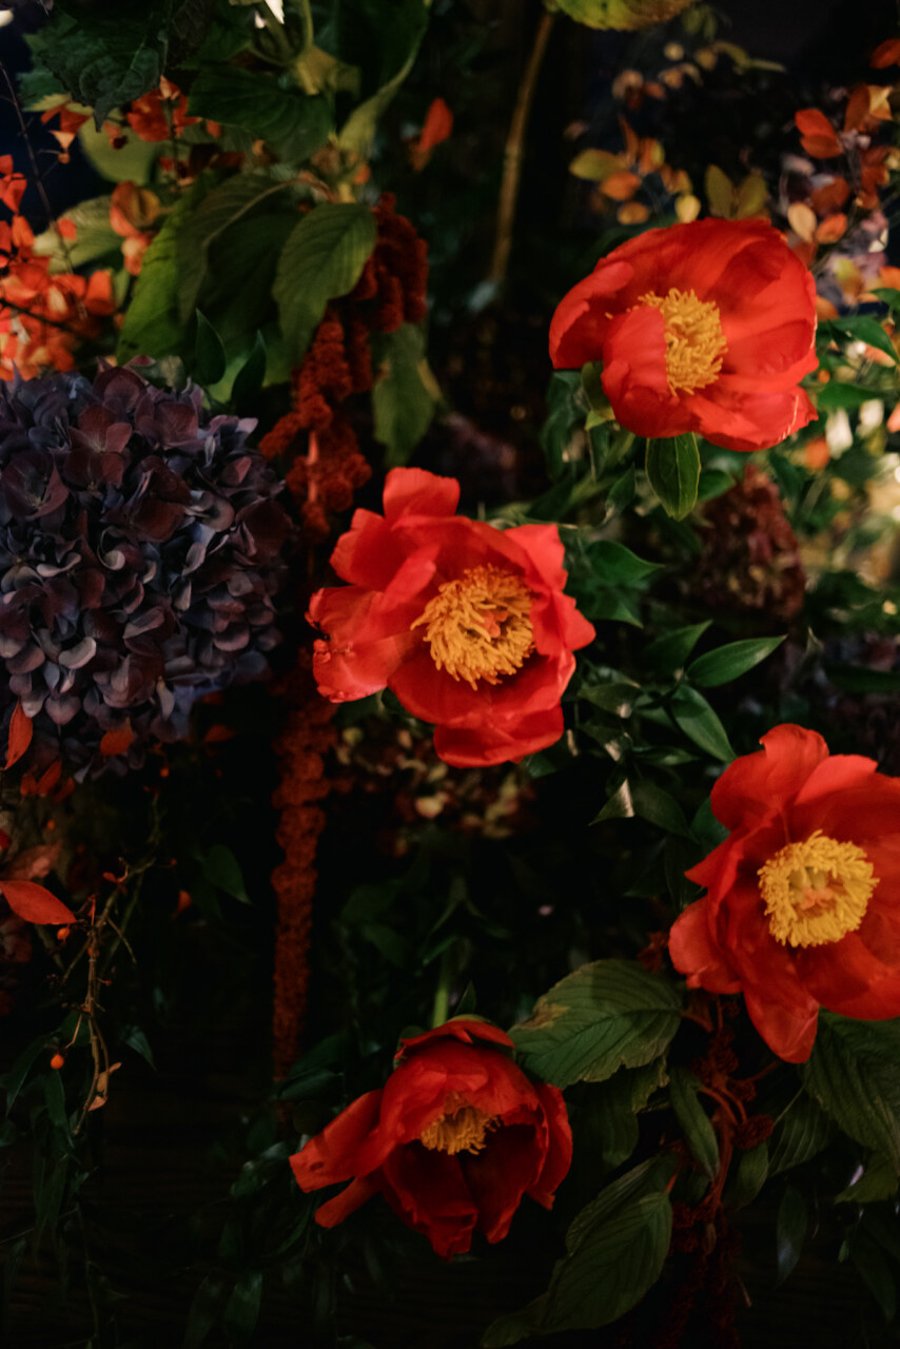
694, 953
415, 491
757, 784
332, 1155
463, 748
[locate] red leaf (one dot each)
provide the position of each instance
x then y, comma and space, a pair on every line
117, 741
818, 136
21, 730
886, 54
34, 903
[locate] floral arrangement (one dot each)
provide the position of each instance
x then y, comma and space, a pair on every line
449, 676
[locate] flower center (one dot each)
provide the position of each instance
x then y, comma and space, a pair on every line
462, 1128
695, 343
817, 891
479, 627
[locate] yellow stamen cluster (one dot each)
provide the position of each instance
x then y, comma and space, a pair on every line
816, 891
461, 1128
479, 626
695, 342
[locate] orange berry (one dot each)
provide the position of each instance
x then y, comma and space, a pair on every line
57, 1062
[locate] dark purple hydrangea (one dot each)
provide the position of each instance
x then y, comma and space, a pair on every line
139, 552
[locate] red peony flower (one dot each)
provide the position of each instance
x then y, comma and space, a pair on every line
704, 327
803, 902
467, 624
453, 1140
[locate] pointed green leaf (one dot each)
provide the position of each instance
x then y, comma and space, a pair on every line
322, 259
730, 661
673, 470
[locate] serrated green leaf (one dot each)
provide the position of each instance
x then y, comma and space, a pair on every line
293, 123
607, 1015
730, 661
218, 210
673, 471
152, 325
700, 723
615, 1250
801, 1135
104, 59
322, 259
402, 397
853, 1073
699, 1133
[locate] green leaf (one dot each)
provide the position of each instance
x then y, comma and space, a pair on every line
673, 470
131, 163
104, 58
95, 239
801, 1135
249, 379
205, 1311
730, 661
15, 1079
876, 1272
791, 1227
616, 1104
241, 1314
222, 869
837, 395
615, 1251
322, 259
669, 652
860, 328
620, 14
402, 397
750, 1176
878, 1181
854, 1075
395, 32
152, 324
700, 723
699, 1133
218, 210
657, 806
209, 354
293, 123
607, 1015
614, 564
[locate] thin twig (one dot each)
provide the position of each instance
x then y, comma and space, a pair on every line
514, 152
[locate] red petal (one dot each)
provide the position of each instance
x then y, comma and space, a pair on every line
369, 553
757, 784
695, 954
335, 1210
460, 1028
333, 1154
559, 1145
21, 732
495, 744
414, 491
635, 378
34, 903
788, 1029
581, 321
